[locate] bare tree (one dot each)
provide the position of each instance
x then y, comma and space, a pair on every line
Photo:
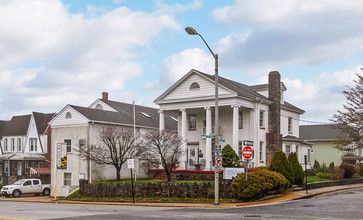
351, 119
162, 149
115, 146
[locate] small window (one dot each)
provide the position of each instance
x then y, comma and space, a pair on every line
99, 106
289, 125
173, 118
146, 115
262, 121
19, 144
67, 179
68, 115
261, 152
6, 144
287, 149
68, 145
27, 183
192, 122
12, 144
240, 119
194, 86
33, 144
35, 182
26, 166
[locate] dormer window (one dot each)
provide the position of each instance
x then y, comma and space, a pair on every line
99, 107
68, 115
146, 115
194, 86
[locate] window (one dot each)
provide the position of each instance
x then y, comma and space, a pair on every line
33, 144
261, 152
27, 183
192, 122
26, 166
145, 114
289, 125
297, 150
68, 115
240, 149
67, 179
173, 118
240, 119
262, 121
309, 155
287, 149
68, 145
35, 182
12, 144
194, 86
6, 144
19, 144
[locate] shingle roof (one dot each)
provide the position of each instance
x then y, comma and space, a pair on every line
320, 132
2, 125
42, 120
124, 115
249, 91
295, 139
18, 125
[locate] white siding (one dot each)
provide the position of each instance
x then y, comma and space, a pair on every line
104, 105
61, 120
206, 89
32, 133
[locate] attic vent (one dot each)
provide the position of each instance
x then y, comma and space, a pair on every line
173, 118
194, 86
146, 115
68, 115
99, 107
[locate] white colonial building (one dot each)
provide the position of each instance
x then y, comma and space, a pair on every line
245, 113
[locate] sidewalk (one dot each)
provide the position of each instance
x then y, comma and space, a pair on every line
278, 199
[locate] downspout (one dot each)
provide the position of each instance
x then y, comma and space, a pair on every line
90, 131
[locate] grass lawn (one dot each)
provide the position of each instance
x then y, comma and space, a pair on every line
153, 181
312, 179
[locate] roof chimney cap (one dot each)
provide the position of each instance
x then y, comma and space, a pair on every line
105, 95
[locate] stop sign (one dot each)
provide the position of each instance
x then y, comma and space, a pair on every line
247, 152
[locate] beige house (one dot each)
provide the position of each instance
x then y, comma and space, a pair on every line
75, 126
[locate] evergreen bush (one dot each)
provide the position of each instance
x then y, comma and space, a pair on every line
311, 172
260, 183
323, 168
229, 157
298, 170
316, 166
282, 165
331, 167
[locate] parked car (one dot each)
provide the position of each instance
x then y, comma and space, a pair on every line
26, 186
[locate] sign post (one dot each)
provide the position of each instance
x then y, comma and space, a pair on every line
306, 173
131, 165
247, 153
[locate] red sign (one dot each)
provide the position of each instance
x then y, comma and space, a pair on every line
247, 152
218, 161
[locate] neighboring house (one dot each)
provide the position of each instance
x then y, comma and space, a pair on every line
323, 136
75, 126
255, 113
24, 146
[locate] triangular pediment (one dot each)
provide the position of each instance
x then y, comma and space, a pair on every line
194, 85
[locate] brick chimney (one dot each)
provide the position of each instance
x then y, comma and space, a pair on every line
105, 95
273, 137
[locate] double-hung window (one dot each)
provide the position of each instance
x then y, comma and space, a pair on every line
19, 144
33, 144
289, 125
192, 122
262, 119
240, 120
68, 145
12, 144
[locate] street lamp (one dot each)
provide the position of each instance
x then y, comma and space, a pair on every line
192, 31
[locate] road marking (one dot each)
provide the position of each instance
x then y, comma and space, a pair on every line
14, 218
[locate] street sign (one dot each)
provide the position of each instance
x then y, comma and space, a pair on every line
222, 140
247, 152
218, 162
210, 136
247, 143
130, 163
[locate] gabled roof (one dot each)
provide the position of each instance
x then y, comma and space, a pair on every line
327, 132
125, 116
295, 139
2, 125
17, 126
42, 120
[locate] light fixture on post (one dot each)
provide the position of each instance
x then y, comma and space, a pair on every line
192, 31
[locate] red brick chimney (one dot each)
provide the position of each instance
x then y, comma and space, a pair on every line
273, 137
105, 95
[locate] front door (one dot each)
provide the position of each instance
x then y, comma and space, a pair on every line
19, 166
193, 157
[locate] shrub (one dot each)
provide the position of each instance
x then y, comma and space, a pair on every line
338, 172
229, 157
316, 166
259, 184
311, 172
323, 168
331, 167
254, 169
325, 176
297, 169
361, 170
282, 165
348, 170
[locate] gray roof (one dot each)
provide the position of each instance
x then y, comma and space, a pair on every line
17, 126
42, 120
249, 91
124, 115
295, 139
320, 132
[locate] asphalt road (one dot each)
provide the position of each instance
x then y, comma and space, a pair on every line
345, 204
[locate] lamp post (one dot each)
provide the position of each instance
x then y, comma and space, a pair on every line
192, 31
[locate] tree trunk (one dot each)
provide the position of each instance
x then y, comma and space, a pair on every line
118, 174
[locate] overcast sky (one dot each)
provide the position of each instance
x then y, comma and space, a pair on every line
59, 52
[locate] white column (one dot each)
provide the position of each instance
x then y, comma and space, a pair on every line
235, 128
208, 141
161, 121
183, 158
